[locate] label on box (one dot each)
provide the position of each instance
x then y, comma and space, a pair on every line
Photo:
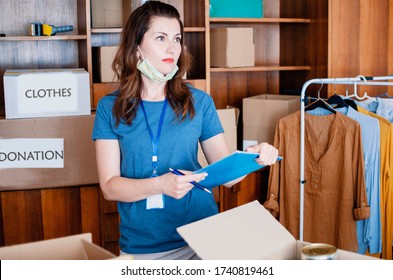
32, 153
43, 93
34, 96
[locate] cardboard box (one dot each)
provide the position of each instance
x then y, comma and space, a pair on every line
261, 114
79, 153
236, 8
108, 13
75, 247
46, 93
115, 13
105, 56
228, 118
232, 47
247, 232
178, 4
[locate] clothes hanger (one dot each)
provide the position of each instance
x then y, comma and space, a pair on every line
320, 103
336, 101
365, 95
350, 102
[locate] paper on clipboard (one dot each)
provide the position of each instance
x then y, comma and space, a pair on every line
235, 165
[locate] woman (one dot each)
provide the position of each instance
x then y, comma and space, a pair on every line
152, 123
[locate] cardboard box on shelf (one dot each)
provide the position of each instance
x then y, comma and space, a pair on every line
32, 93
79, 153
261, 114
236, 8
105, 56
247, 232
232, 47
108, 14
115, 13
74, 247
228, 118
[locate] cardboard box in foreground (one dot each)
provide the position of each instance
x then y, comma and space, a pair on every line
75, 247
247, 232
261, 114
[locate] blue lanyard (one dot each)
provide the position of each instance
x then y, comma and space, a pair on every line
155, 140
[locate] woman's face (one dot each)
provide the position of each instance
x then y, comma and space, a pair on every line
161, 43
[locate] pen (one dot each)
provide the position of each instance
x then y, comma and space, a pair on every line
177, 172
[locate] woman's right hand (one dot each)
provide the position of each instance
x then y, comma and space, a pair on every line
177, 186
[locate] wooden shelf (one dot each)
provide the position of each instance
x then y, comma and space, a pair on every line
260, 20
119, 30
106, 30
43, 38
259, 69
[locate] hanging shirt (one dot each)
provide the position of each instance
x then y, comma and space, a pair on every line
386, 191
334, 193
385, 108
369, 230
142, 230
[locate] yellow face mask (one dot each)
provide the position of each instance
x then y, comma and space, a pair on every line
152, 73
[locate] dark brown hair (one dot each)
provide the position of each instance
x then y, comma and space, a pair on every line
129, 77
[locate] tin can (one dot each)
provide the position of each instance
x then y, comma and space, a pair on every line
319, 251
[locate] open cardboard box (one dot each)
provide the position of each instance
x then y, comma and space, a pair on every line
75, 247
247, 232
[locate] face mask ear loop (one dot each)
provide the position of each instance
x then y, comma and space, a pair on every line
141, 54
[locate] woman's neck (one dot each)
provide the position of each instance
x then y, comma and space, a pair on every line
153, 91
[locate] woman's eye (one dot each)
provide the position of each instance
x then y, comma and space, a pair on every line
160, 38
177, 39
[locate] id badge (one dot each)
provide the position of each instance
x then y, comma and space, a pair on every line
155, 202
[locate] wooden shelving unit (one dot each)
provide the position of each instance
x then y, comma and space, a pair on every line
295, 41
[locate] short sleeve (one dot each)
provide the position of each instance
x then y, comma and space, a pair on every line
211, 122
104, 120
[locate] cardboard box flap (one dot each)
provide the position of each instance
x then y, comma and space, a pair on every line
94, 252
245, 232
75, 247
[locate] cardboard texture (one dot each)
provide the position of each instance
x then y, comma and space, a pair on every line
79, 153
262, 112
115, 13
236, 8
105, 59
232, 47
228, 118
107, 14
75, 247
32, 93
246, 232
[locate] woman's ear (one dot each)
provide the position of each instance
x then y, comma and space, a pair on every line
138, 53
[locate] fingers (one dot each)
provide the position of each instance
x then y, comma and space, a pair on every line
267, 153
180, 185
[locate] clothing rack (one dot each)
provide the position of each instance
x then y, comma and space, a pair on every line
355, 81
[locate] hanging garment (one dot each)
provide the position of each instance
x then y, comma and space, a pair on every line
386, 191
334, 193
369, 231
385, 108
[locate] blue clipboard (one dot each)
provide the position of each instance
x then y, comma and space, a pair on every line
230, 168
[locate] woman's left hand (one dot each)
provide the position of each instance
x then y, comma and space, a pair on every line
267, 153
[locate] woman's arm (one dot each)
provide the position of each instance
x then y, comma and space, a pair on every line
215, 148
115, 187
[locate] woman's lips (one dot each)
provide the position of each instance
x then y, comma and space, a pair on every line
168, 60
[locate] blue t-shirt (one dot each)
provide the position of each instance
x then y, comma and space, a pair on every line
154, 230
